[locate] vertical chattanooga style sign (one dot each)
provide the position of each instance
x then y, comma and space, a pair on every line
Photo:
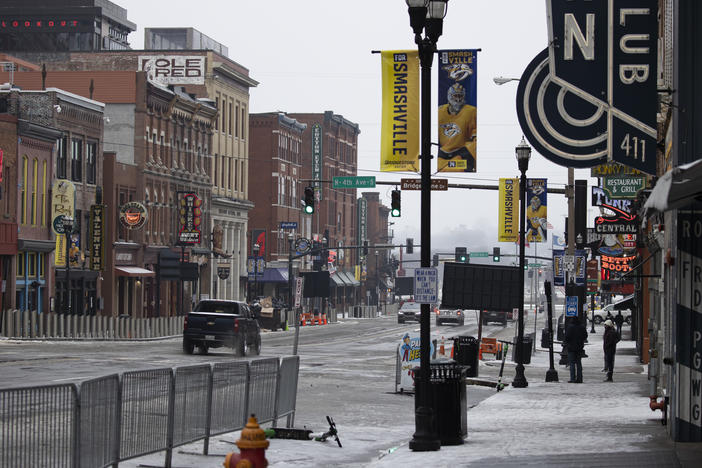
190, 219
97, 237
362, 224
457, 73
62, 203
688, 329
317, 159
399, 140
536, 212
592, 93
508, 224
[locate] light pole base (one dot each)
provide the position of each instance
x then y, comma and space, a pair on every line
424, 440
520, 380
552, 375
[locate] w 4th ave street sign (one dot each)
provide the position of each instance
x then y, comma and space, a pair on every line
623, 187
353, 182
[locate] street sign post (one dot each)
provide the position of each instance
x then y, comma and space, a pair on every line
426, 285
479, 254
344, 182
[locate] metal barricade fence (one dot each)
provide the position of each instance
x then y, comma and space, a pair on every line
112, 419
144, 412
99, 421
38, 426
262, 389
287, 389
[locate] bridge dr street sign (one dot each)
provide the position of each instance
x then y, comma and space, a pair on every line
426, 285
591, 95
416, 184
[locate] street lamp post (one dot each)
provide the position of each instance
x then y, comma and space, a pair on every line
256, 251
67, 222
425, 16
523, 154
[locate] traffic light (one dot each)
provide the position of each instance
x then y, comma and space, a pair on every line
461, 254
309, 200
365, 248
495, 254
410, 245
435, 260
395, 204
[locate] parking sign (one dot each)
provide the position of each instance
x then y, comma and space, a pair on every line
571, 306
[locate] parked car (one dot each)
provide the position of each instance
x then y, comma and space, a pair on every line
444, 315
214, 323
408, 311
601, 314
495, 316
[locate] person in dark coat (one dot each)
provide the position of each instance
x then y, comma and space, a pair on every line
609, 344
575, 337
618, 320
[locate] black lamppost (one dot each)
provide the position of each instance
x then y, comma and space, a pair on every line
426, 16
523, 154
67, 222
256, 251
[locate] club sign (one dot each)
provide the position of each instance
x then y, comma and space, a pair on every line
592, 92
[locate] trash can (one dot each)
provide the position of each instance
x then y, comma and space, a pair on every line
545, 338
447, 398
466, 353
527, 342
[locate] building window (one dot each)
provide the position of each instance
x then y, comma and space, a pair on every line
231, 119
243, 122
41, 265
77, 160
35, 180
91, 162
217, 119
43, 193
23, 190
236, 129
62, 157
20, 264
31, 264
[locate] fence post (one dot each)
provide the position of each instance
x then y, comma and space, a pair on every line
208, 420
118, 423
25, 323
171, 421
32, 324
76, 428
277, 395
248, 391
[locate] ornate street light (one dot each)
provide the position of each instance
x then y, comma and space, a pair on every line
523, 152
67, 223
425, 16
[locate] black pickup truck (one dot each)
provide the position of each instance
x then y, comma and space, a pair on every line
215, 323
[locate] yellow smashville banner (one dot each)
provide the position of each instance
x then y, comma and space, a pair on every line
508, 223
399, 140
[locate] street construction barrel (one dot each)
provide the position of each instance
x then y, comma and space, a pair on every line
466, 351
447, 397
527, 342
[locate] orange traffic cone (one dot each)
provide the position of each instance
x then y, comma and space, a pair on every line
442, 349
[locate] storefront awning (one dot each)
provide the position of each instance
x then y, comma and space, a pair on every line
626, 303
350, 280
337, 280
274, 275
133, 271
676, 188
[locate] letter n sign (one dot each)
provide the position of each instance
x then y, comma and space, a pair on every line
591, 95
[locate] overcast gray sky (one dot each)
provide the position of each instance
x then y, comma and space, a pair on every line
315, 55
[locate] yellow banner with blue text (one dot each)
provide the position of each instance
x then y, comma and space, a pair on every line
399, 140
508, 223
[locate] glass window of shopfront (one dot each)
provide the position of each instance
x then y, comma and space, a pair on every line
20, 265
23, 191
62, 157
31, 265
91, 162
43, 194
77, 160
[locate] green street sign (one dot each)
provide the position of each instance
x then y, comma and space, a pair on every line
535, 265
623, 186
479, 254
353, 182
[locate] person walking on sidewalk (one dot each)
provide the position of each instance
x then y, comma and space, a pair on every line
575, 337
619, 320
609, 344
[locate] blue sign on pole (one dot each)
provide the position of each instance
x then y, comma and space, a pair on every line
571, 306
